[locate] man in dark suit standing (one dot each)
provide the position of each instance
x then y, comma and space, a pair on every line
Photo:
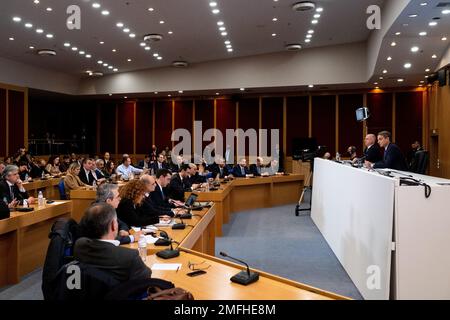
11, 188
99, 247
372, 152
85, 174
241, 170
393, 156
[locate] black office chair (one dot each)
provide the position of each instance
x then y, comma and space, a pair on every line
420, 162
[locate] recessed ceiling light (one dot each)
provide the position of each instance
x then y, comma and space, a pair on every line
381, 78
88, 56
150, 9
400, 80
274, 34
159, 58
230, 49
229, 46
126, 30
427, 70
96, 5
169, 95
307, 40
319, 10
110, 67
421, 81
311, 86
311, 31
274, 19
415, 49
39, 31
142, 44
180, 91
28, 25
227, 42
393, 44
82, 52
413, 15
220, 23
444, 38
129, 60
113, 50
115, 69
375, 83
433, 23
384, 71
100, 62
102, 42
31, 47
17, 19
434, 56
170, 32
156, 55
213, 4
132, 35
222, 28
216, 11
407, 65
398, 33
423, 34
74, 49
67, 44
49, 9
49, 35
224, 34
147, 48
242, 89
125, 97
317, 16
217, 93
156, 92
315, 21
389, 58
376, 88
424, 4
11, 39
36, 1
446, 11
119, 24
161, 22
105, 12
105, 64
308, 36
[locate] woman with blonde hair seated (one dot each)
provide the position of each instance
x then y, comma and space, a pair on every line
71, 180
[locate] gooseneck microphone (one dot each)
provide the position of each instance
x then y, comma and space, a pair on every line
244, 277
169, 253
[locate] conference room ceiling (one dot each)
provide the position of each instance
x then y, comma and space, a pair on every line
195, 35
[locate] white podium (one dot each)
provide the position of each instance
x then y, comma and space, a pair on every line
392, 240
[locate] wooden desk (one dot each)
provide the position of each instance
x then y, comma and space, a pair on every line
216, 284
24, 240
252, 193
48, 187
200, 238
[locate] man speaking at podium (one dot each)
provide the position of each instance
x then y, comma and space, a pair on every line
393, 157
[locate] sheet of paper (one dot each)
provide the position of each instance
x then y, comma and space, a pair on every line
150, 239
166, 266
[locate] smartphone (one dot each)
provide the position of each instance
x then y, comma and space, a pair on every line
196, 273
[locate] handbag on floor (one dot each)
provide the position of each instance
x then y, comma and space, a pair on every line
156, 293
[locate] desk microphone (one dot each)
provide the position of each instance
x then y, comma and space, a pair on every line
179, 226
243, 277
169, 253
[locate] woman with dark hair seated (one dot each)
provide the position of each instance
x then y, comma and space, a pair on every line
130, 207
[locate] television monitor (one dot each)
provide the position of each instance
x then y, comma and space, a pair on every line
362, 114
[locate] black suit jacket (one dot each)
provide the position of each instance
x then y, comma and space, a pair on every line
393, 159
159, 200
373, 154
141, 164
86, 180
237, 171
5, 192
178, 187
4, 210
155, 166
152, 209
121, 263
133, 215
254, 170
197, 179
215, 169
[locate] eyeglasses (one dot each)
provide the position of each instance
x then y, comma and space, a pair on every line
195, 266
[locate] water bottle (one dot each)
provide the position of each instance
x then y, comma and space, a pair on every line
43, 174
40, 199
25, 203
338, 156
26, 177
142, 244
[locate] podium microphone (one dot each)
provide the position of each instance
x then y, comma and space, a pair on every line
244, 277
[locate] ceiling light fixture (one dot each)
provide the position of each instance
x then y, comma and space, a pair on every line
150, 9
47, 53
307, 40
400, 80
162, 22
434, 56
132, 35
423, 34
384, 71
126, 30
315, 21
415, 49
444, 38
105, 12
88, 56
223, 34
311, 86
74, 49
67, 44
398, 33
393, 44
446, 11
159, 58
28, 25
274, 19
407, 65
17, 19
311, 31
413, 15
389, 58
242, 89
432, 23
427, 70
119, 24
39, 31
49, 35
216, 11
303, 6
96, 5
49, 9
213, 4
11, 39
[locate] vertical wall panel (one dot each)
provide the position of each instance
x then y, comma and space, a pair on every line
297, 109
3, 123
324, 121
107, 127
184, 116
380, 105
126, 127
408, 120
226, 119
163, 124
272, 118
16, 101
350, 131
204, 112
248, 119
144, 127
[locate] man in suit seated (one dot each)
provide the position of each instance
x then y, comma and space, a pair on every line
2, 167
159, 164
148, 206
11, 188
85, 174
273, 168
372, 152
220, 168
145, 164
179, 184
160, 197
241, 170
126, 169
393, 156
258, 168
100, 248
194, 176
176, 167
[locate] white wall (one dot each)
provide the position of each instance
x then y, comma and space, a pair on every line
20, 74
445, 59
331, 65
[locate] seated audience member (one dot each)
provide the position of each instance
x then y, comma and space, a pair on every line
97, 171
194, 176
126, 169
109, 193
150, 208
219, 168
100, 249
372, 152
109, 170
327, 156
145, 164
167, 154
241, 170
86, 175
258, 168
393, 157
20, 156
351, 152
38, 170
74, 158
53, 166
11, 188
274, 168
176, 167
72, 179
410, 157
23, 171
160, 197
64, 164
2, 167
106, 158
9, 160
160, 163
154, 154
129, 210
179, 184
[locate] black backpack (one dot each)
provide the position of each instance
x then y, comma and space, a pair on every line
63, 235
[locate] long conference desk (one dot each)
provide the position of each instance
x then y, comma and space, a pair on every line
24, 241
